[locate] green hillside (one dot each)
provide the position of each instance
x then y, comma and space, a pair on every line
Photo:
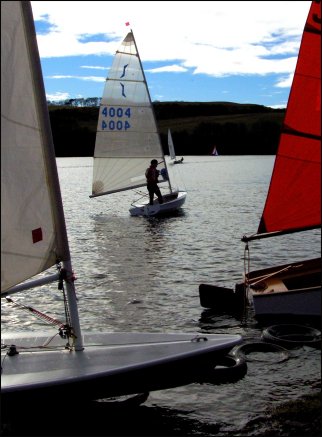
236, 129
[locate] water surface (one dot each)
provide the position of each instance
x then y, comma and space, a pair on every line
139, 274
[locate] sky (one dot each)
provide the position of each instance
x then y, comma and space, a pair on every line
202, 51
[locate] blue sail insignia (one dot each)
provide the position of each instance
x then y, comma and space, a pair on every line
123, 93
124, 68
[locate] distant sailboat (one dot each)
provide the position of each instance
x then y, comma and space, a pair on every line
172, 152
215, 151
64, 363
127, 137
293, 203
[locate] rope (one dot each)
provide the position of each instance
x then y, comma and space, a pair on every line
246, 270
63, 276
36, 313
142, 195
67, 330
269, 275
44, 345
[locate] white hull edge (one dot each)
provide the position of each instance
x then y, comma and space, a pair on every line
292, 289
303, 302
170, 204
111, 364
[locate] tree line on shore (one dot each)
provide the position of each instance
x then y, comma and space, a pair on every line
196, 127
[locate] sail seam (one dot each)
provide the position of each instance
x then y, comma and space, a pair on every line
124, 80
294, 132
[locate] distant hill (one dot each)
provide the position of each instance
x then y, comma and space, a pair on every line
236, 129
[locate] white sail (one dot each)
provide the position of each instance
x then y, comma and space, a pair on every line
172, 153
127, 137
33, 229
28, 236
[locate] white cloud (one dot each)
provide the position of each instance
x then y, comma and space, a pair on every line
216, 38
285, 82
86, 78
93, 67
57, 96
167, 69
278, 106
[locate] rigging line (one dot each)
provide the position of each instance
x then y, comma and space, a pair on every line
269, 275
66, 330
193, 339
63, 276
246, 269
141, 192
39, 314
26, 348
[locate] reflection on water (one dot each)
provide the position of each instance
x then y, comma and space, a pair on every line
143, 274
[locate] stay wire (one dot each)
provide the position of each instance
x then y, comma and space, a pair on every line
246, 269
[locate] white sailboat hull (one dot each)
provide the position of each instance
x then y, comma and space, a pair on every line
111, 364
303, 302
287, 290
171, 202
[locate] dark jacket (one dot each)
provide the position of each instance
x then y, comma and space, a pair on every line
152, 175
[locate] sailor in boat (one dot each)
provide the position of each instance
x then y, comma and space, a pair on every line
152, 175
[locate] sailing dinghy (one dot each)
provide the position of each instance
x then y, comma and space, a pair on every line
172, 152
63, 362
293, 203
127, 137
214, 151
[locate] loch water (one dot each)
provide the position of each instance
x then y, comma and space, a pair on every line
143, 274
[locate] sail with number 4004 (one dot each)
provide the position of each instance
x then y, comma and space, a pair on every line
45, 366
127, 137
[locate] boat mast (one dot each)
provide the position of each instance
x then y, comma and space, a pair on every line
51, 168
147, 88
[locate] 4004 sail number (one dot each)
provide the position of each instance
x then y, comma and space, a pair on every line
118, 118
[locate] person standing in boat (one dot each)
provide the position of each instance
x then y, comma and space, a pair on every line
152, 175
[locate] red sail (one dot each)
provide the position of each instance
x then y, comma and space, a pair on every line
294, 197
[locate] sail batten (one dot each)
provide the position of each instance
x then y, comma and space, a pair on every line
293, 202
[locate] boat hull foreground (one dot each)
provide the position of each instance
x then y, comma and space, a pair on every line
111, 364
171, 202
